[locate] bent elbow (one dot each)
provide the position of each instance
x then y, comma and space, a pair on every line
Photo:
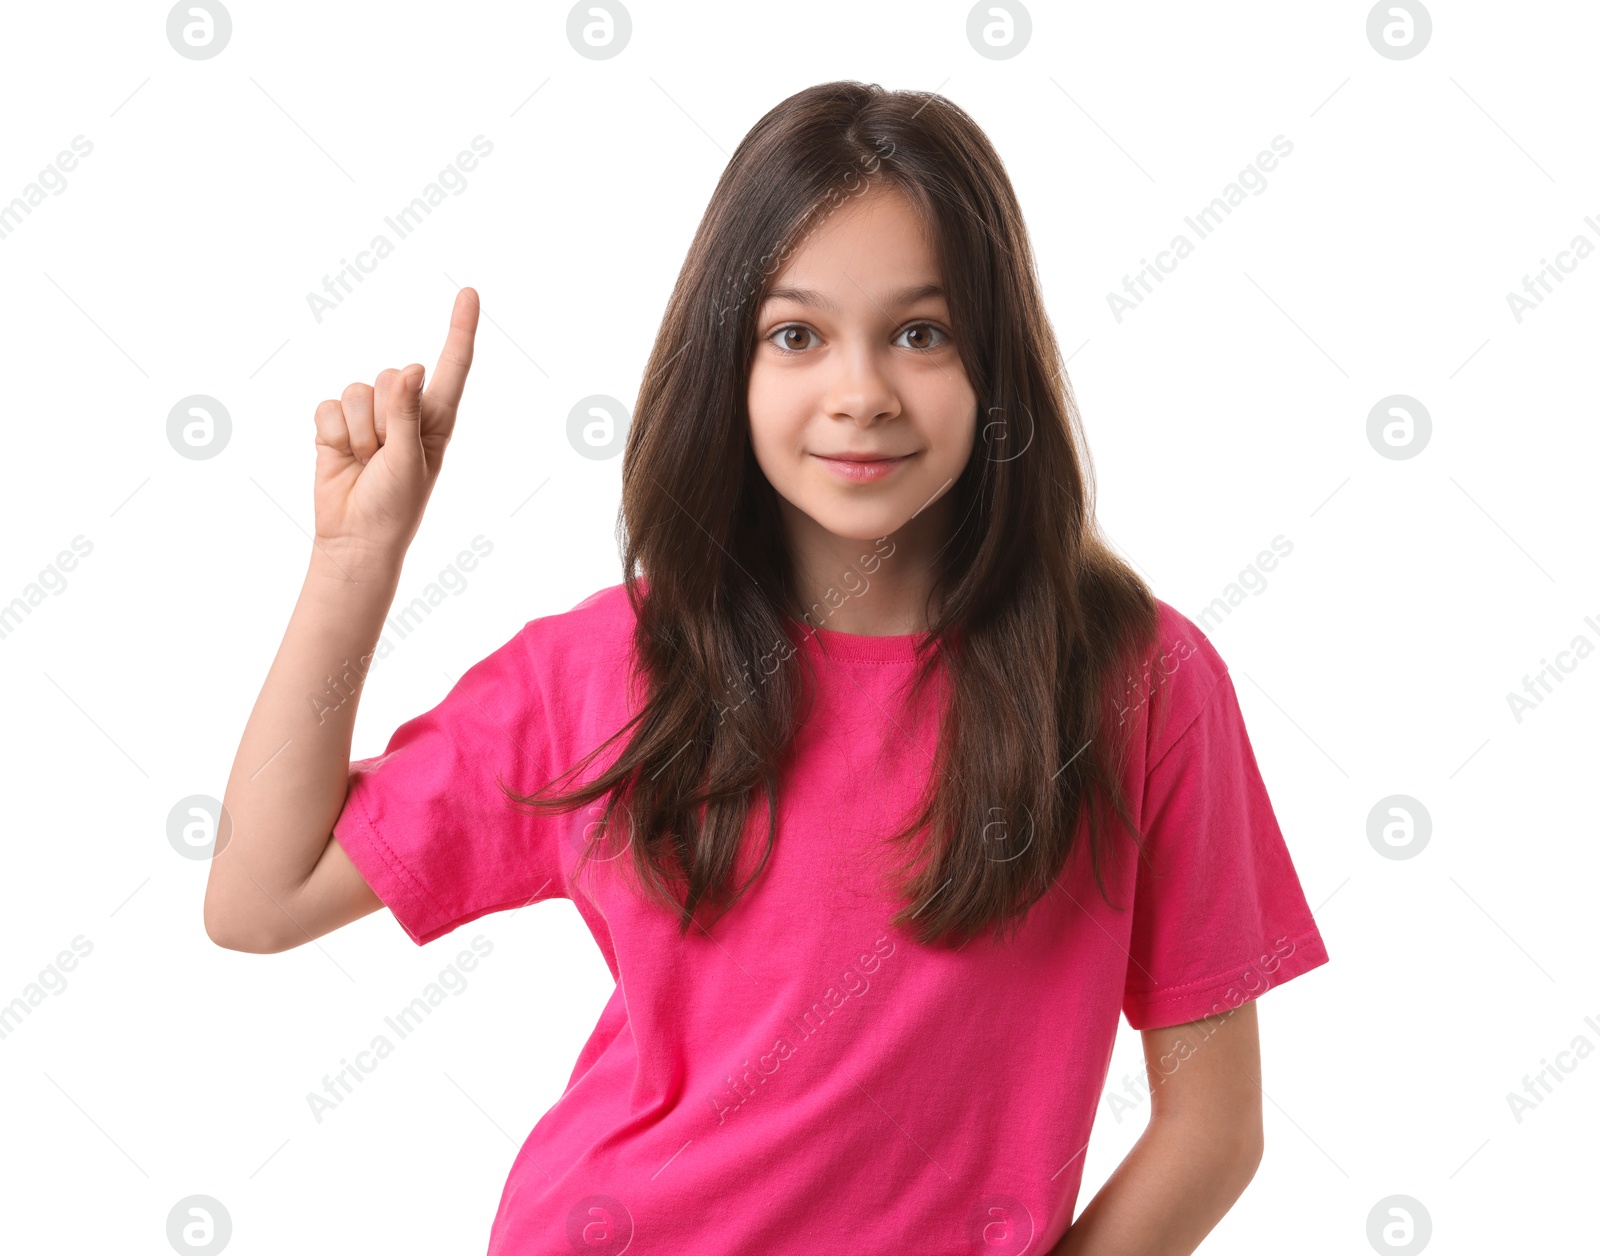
1252, 1146
230, 938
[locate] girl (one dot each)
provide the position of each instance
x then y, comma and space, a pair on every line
882, 784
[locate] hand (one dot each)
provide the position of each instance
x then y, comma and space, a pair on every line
380, 446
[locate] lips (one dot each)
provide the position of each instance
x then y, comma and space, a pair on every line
863, 467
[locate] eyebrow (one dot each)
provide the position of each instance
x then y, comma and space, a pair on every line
810, 296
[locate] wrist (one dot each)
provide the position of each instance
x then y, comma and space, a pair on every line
333, 563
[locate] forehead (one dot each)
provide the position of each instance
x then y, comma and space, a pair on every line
875, 246
820, 299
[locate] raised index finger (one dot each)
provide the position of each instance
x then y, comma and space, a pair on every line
450, 376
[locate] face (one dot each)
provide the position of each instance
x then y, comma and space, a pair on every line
861, 415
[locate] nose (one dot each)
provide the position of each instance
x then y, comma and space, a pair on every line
860, 389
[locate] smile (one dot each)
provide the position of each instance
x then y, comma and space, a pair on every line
860, 470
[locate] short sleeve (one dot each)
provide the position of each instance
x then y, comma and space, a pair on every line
426, 822
1219, 916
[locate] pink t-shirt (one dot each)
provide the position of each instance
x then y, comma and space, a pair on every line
805, 1079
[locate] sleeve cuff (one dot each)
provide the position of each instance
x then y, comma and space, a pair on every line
1214, 996
384, 871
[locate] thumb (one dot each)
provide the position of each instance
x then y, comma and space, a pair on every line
404, 427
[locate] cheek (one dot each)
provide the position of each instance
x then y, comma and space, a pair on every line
776, 422
769, 455
955, 440
966, 438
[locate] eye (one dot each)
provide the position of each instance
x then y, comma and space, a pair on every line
925, 329
799, 330
788, 329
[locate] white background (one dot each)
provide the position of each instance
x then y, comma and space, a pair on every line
1230, 408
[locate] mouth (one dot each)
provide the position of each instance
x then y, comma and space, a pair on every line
862, 467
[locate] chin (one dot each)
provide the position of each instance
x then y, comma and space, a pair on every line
860, 525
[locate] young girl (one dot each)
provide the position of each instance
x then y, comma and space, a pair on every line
882, 784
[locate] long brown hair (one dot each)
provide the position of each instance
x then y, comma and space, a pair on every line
1033, 617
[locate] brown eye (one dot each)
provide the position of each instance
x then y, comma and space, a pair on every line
784, 339
925, 331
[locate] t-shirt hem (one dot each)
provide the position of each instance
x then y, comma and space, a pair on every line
1213, 996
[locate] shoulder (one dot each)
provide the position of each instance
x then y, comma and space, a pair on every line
593, 634
1181, 672
610, 602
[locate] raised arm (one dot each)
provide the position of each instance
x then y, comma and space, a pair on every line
279, 879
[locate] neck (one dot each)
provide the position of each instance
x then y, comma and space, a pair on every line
873, 587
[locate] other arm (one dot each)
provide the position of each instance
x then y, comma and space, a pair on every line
1198, 1153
